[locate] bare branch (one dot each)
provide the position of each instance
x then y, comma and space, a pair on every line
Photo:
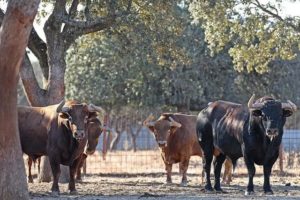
39, 49
276, 16
34, 94
87, 10
73, 8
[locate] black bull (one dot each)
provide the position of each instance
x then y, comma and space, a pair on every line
254, 131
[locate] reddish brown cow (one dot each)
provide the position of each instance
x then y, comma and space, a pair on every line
57, 131
177, 139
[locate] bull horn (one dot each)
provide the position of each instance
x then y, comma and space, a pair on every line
60, 106
148, 121
93, 108
252, 105
174, 123
290, 105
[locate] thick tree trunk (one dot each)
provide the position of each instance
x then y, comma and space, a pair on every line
14, 34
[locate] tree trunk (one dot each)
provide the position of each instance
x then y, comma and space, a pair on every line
14, 34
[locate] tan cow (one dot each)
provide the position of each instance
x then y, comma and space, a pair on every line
177, 139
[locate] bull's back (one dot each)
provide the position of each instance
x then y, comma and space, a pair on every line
33, 126
222, 124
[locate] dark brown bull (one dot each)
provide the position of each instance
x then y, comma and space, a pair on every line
57, 131
94, 130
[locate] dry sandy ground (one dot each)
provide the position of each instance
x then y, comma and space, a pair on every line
140, 175
152, 186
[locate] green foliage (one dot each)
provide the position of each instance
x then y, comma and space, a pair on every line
156, 57
257, 33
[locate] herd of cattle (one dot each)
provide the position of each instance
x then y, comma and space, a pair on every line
69, 131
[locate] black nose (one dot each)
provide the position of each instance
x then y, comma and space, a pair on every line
272, 131
79, 134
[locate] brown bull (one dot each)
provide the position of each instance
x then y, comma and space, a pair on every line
177, 139
94, 130
57, 131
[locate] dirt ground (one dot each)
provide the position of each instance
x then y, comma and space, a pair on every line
118, 180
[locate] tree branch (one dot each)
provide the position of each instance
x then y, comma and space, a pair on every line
276, 16
87, 10
39, 49
73, 8
34, 94
75, 28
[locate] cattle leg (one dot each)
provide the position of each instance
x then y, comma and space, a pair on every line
80, 164
29, 161
207, 159
227, 176
217, 171
267, 171
183, 165
251, 172
73, 169
169, 172
56, 173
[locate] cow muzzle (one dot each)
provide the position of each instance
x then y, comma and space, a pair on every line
79, 134
162, 143
272, 133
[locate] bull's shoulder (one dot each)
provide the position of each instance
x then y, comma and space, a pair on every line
179, 117
220, 108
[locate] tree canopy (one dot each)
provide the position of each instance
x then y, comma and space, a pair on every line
257, 32
155, 58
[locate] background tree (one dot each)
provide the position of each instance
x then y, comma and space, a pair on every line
259, 32
15, 30
138, 63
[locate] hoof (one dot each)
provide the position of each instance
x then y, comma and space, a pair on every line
54, 193
30, 180
248, 193
208, 189
168, 182
219, 190
73, 192
183, 184
79, 180
270, 192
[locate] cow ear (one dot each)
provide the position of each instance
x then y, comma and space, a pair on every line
151, 128
173, 129
256, 113
287, 112
64, 115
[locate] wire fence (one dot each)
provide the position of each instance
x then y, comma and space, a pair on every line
131, 148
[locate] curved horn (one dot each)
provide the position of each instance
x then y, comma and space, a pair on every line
148, 121
60, 106
93, 108
252, 105
174, 123
289, 105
